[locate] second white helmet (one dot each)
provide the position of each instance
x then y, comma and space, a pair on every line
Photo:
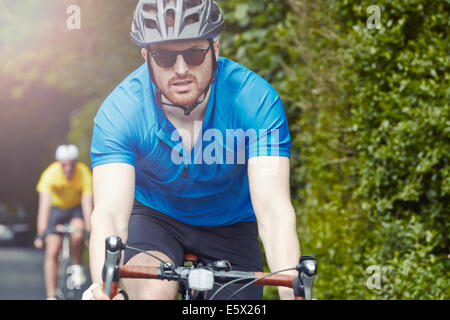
67, 152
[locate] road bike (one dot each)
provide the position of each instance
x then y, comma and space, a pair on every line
71, 278
197, 280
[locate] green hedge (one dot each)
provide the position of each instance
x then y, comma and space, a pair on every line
400, 119
369, 117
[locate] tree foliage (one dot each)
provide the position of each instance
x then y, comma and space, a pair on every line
369, 117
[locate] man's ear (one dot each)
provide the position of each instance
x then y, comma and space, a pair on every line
216, 47
144, 53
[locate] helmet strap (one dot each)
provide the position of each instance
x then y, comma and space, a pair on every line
187, 111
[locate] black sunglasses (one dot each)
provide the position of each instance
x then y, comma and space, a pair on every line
167, 58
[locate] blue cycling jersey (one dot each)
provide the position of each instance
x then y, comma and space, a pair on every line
209, 185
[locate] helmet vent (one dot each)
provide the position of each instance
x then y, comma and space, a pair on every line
150, 24
215, 13
170, 18
193, 3
150, 8
193, 18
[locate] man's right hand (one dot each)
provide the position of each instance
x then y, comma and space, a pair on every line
95, 292
99, 294
39, 243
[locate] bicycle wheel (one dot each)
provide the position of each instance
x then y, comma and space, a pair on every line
63, 292
75, 281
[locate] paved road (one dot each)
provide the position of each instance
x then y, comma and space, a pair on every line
21, 274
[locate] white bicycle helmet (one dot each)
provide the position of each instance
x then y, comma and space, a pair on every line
167, 20
67, 152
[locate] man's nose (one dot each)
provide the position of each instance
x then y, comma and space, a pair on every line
180, 66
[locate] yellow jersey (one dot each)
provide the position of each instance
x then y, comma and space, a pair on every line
65, 193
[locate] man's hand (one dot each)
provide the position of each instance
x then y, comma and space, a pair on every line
39, 243
99, 294
286, 293
95, 292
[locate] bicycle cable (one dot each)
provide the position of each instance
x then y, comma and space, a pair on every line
166, 264
221, 285
224, 286
256, 280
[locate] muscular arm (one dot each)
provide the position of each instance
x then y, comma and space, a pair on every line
113, 201
269, 190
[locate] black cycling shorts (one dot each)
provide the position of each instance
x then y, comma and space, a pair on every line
151, 230
63, 216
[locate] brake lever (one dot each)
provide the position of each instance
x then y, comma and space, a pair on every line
113, 254
307, 286
302, 285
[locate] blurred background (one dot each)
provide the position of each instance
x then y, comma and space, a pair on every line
368, 110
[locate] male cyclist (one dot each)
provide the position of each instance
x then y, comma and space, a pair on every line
65, 196
177, 155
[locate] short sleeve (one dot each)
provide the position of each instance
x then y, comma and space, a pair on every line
114, 138
44, 183
266, 123
86, 180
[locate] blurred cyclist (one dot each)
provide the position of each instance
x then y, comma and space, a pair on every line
65, 196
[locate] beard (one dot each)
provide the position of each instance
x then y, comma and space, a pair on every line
184, 91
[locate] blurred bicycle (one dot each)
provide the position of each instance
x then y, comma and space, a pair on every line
71, 277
